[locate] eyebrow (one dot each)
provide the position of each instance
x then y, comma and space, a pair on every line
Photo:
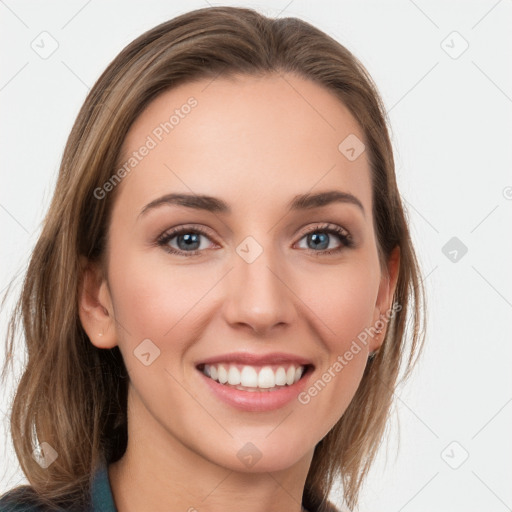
215, 205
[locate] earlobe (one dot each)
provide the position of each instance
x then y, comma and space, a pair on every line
385, 299
95, 306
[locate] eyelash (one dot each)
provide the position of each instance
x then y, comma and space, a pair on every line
343, 235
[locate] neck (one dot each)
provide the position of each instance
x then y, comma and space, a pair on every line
158, 472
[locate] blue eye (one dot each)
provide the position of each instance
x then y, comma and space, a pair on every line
188, 240
320, 238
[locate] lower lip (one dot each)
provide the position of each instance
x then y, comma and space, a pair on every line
256, 401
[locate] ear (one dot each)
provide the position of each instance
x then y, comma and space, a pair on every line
95, 306
384, 301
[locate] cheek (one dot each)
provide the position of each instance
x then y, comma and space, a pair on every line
156, 301
344, 302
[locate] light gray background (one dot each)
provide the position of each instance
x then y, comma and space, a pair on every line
451, 122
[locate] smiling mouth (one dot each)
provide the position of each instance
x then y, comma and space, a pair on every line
255, 378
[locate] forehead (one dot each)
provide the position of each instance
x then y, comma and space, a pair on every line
243, 138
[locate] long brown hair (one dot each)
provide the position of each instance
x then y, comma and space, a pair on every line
71, 394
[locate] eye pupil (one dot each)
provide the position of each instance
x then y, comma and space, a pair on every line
322, 244
189, 240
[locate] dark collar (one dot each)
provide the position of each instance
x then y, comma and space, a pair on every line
101, 492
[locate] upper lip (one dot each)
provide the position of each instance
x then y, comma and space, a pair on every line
256, 359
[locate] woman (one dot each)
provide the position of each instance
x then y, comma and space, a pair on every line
215, 310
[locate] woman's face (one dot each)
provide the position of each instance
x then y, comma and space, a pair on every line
218, 265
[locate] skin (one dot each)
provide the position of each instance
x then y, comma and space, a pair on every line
255, 143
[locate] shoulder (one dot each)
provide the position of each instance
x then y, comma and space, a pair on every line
21, 499
25, 499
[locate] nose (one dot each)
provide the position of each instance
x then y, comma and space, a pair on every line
259, 295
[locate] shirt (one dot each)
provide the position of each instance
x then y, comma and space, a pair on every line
101, 496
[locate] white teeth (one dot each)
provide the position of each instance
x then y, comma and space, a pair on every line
290, 376
280, 376
233, 376
222, 374
249, 378
266, 378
